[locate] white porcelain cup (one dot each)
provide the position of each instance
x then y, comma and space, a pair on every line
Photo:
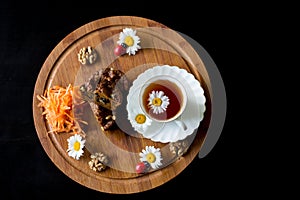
163, 99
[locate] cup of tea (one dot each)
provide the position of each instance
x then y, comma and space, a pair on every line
163, 99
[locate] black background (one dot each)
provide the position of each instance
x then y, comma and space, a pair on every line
29, 32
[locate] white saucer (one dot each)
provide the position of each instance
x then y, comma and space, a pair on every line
191, 116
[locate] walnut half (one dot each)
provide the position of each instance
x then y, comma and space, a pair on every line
179, 148
87, 55
98, 162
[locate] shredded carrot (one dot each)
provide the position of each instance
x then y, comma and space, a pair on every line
57, 104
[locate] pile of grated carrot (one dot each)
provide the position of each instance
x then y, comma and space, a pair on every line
57, 108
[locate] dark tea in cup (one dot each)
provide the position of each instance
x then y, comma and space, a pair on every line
163, 98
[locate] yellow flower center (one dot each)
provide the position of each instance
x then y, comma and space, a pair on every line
76, 146
150, 157
156, 101
129, 41
140, 118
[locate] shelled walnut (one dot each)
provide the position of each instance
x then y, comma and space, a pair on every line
179, 148
98, 162
87, 55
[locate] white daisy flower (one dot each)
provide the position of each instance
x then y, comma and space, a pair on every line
75, 146
130, 39
152, 155
158, 101
139, 121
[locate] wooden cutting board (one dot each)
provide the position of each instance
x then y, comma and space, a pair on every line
160, 46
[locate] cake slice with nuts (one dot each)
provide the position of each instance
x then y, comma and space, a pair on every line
105, 92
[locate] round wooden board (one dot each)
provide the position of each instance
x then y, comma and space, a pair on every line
160, 46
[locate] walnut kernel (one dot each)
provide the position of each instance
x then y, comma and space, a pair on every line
98, 162
87, 55
179, 148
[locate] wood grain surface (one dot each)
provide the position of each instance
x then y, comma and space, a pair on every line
160, 46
